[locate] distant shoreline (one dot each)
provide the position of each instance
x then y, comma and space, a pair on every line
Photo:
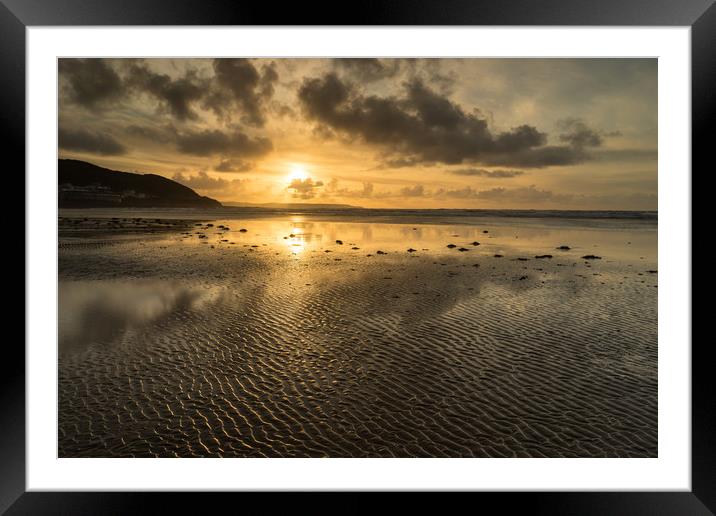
384, 212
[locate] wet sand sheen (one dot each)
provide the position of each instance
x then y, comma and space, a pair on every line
223, 349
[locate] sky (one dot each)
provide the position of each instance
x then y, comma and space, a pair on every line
383, 133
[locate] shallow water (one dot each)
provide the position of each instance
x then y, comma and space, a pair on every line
297, 234
172, 345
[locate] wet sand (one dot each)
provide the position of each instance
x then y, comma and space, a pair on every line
179, 339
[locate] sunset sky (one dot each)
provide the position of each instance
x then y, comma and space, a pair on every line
401, 133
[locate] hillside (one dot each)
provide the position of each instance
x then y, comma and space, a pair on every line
84, 185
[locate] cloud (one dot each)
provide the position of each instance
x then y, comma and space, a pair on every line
239, 84
202, 181
366, 69
527, 194
486, 173
83, 140
233, 165
400, 163
549, 155
304, 188
90, 83
413, 191
424, 126
578, 134
150, 134
332, 189
626, 155
210, 142
175, 95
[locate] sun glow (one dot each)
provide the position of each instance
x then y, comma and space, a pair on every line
298, 172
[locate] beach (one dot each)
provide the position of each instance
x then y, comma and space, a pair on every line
250, 334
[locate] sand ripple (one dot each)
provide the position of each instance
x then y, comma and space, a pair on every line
402, 357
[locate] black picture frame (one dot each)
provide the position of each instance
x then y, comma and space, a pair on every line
17, 15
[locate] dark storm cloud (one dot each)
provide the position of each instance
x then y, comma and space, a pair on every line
425, 126
83, 140
239, 84
304, 188
550, 155
486, 173
164, 135
400, 163
367, 69
216, 142
175, 95
91, 83
577, 133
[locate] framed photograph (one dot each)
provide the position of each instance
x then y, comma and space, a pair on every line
437, 247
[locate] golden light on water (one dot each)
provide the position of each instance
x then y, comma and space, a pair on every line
296, 241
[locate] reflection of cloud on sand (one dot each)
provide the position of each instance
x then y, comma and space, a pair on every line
97, 312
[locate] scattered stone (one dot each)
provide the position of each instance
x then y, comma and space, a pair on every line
380, 252
652, 272
564, 248
485, 231
451, 246
523, 278
462, 249
242, 230
355, 248
591, 257
498, 256
411, 250
476, 243
543, 256
523, 259
339, 242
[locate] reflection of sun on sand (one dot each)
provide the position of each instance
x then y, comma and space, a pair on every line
295, 240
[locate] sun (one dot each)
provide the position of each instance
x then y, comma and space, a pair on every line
298, 172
